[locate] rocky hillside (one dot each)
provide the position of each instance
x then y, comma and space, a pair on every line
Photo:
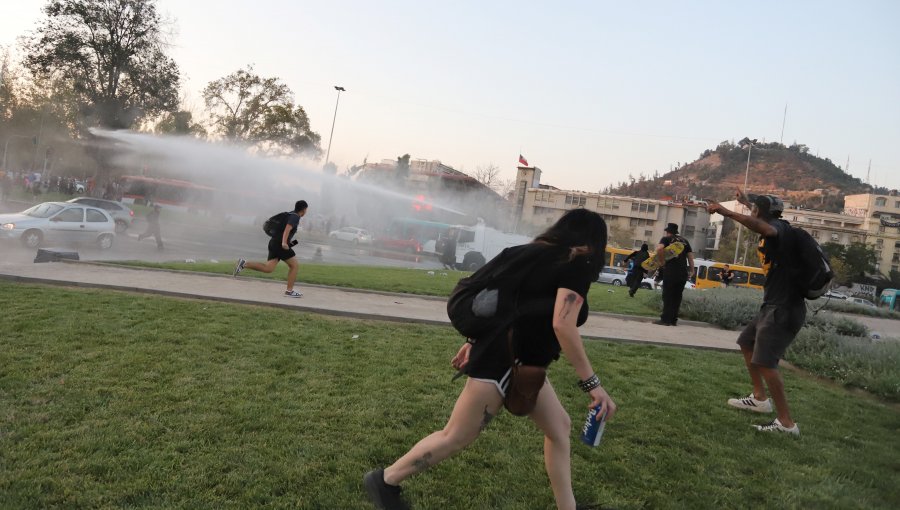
790, 172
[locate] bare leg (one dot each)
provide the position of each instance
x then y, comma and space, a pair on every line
292, 272
267, 267
550, 416
759, 389
478, 403
776, 388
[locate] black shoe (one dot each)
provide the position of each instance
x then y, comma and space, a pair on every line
385, 497
661, 322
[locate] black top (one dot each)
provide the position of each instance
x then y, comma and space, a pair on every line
780, 288
676, 268
294, 221
533, 336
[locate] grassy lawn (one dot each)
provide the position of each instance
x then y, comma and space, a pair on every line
602, 298
117, 400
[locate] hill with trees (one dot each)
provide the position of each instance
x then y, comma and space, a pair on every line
791, 172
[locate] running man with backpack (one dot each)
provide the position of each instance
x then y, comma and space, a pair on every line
550, 288
280, 249
764, 341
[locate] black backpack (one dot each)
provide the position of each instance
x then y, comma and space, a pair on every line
810, 267
485, 303
274, 226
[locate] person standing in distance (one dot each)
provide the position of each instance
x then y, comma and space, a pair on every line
764, 341
153, 227
637, 271
726, 275
675, 274
280, 249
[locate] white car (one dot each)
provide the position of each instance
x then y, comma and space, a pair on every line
59, 222
836, 295
352, 235
612, 275
861, 302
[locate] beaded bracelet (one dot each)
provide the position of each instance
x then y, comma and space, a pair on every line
590, 383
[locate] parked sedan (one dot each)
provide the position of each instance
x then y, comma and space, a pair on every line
59, 222
861, 302
613, 275
352, 235
123, 215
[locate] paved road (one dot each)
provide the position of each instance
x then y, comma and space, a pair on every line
333, 301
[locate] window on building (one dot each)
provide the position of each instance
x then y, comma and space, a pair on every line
582, 201
881, 229
815, 234
896, 245
880, 201
854, 239
648, 233
635, 206
568, 199
879, 241
835, 236
690, 214
688, 231
643, 207
651, 208
897, 204
637, 244
632, 222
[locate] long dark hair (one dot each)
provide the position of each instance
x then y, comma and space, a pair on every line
583, 231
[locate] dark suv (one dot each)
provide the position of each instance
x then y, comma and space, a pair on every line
120, 213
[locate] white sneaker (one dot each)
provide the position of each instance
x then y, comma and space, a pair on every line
776, 426
292, 293
238, 267
751, 404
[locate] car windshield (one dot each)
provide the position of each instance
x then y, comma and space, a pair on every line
44, 210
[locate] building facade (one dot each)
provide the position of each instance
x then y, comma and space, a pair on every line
631, 221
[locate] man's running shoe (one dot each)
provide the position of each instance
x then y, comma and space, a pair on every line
238, 267
751, 404
292, 293
776, 426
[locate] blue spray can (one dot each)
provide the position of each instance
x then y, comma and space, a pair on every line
592, 430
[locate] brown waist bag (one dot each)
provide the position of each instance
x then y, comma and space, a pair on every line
525, 382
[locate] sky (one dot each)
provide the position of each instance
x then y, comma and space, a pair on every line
588, 91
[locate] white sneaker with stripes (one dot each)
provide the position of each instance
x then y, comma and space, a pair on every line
751, 404
776, 426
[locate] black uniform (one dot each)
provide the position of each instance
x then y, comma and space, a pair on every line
675, 276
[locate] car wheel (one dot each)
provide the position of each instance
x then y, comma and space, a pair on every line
32, 238
617, 283
105, 241
121, 226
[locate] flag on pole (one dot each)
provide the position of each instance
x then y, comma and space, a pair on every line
522, 160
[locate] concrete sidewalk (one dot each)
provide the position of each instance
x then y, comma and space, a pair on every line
336, 301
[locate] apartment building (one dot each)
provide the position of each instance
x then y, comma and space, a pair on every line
632, 221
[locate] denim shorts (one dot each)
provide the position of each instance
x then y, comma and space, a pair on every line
771, 332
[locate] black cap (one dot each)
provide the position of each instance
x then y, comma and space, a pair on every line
671, 228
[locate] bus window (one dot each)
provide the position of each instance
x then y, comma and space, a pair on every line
715, 274
702, 273
739, 276
619, 260
757, 279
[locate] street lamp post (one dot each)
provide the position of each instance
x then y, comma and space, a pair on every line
6, 148
737, 243
328, 152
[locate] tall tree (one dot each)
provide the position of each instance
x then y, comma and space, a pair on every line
245, 107
111, 54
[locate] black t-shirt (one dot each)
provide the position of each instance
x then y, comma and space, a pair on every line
780, 288
294, 221
533, 336
676, 268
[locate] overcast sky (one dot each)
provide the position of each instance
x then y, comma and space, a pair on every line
589, 92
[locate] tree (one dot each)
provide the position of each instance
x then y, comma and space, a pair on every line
179, 123
245, 107
403, 169
619, 236
111, 54
488, 175
860, 259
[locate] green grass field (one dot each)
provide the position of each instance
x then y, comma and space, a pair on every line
111, 399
